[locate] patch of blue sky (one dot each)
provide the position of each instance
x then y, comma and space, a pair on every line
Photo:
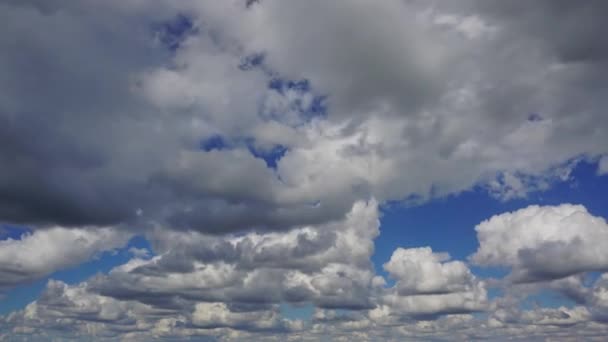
18, 297
282, 85
270, 156
316, 108
14, 232
494, 292
172, 33
307, 110
215, 142
295, 311
546, 298
102, 263
591, 277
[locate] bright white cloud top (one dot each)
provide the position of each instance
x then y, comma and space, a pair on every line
254, 145
44, 251
544, 242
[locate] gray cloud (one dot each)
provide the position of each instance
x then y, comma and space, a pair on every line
96, 147
121, 136
328, 265
110, 117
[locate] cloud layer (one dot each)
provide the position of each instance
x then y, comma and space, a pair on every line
233, 287
412, 106
253, 144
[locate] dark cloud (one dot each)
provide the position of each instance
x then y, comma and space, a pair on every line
569, 30
80, 145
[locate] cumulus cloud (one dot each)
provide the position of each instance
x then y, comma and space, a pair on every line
211, 315
420, 271
65, 311
429, 285
328, 265
42, 252
543, 242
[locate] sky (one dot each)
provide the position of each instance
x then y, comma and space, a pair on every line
268, 170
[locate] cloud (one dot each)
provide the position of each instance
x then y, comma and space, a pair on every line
166, 117
213, 315
429, 285
43, 252
328, 265
541, 243
420, 271
413, 107
199, 284
65, 311
375, 63
572, 43
112, 144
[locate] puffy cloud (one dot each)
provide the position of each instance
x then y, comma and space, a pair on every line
328, 265
42, 252
427, 307
65, 311
200, 283
429, 284
545, 316
420, 271
72, 311
213, 315
540, 243
597, 298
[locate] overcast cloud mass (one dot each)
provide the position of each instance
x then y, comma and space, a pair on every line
254, 144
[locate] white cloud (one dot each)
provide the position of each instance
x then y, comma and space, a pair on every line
546, 242
420, 271
429, 285
67, 312
213, 315
328, 265
44, 251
